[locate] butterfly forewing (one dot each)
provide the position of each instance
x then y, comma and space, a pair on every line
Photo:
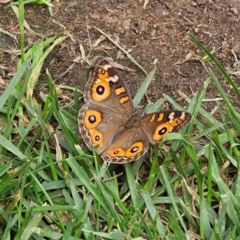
159, 124
105, 87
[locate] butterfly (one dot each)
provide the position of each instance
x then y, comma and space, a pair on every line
109, 122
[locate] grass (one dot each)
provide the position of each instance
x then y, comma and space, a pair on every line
51, 188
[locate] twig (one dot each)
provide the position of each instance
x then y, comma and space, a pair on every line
122, 49
9, 34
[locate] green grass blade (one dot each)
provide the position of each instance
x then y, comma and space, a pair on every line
224, 96
220, 67
143, 89
9, 89
154, 213
10, 147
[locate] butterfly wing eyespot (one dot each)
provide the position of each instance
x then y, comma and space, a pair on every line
115, 152
134, 149
97, 138
161, 131
100, 91
92, 119
179, 122
102, 74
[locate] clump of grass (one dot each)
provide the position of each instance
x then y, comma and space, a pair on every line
51, 188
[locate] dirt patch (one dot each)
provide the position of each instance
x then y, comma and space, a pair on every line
160, 31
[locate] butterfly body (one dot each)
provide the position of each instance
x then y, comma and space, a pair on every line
109, 122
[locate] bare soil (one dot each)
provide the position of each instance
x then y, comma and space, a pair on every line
158, 31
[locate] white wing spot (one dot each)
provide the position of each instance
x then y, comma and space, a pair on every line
171, 116
183, 115
106, 67
112, 79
